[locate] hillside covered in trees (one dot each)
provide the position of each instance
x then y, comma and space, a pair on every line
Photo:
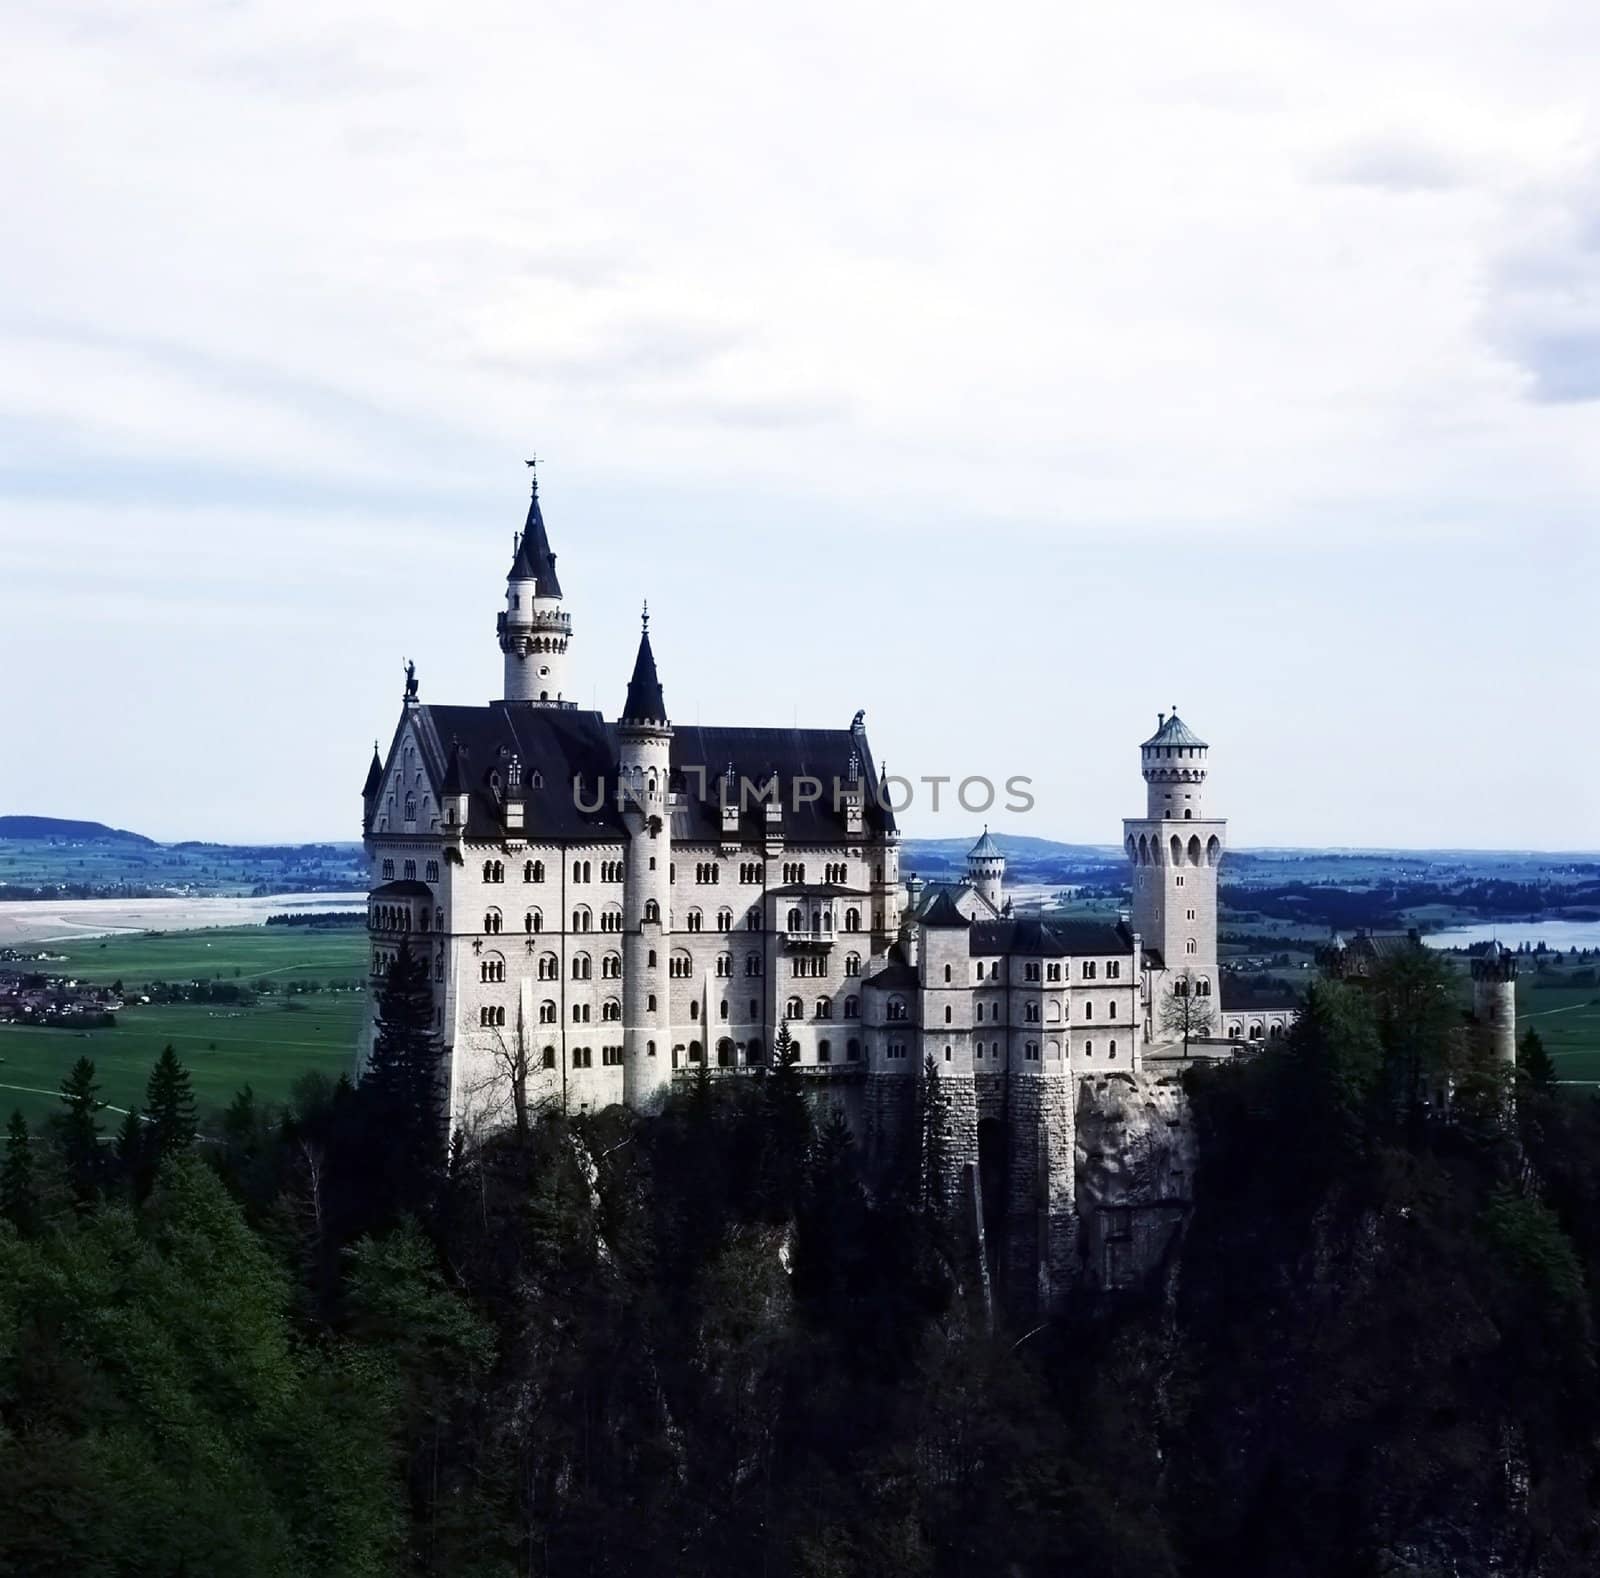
311, 1342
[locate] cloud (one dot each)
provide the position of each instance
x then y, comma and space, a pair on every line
1542, 309
1394, 162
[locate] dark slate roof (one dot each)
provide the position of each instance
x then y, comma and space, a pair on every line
943, 912
645, 703
815, 890
534, 560
1031, 936
402, 890
896, 977
1174, 731
560, 747
1239, 998
374, 777
1383, 944
456, 779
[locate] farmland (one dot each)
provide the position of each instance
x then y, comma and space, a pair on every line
304, 1014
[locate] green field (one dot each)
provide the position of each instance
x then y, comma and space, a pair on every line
240, 953
268, 1045
1568, 1021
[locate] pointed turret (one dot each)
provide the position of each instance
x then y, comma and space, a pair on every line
374, 775
986, 870
644, 703
533, 629
533, 560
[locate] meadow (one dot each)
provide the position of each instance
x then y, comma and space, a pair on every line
268, 1045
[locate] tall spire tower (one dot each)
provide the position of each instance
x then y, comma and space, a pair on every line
644, 747
1175, 850
533, 630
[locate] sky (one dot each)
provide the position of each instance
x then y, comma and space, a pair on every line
1012, 372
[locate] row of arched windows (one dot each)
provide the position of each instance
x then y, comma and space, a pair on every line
1147, 850
796, 1009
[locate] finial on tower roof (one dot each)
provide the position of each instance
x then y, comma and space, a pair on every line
532, 463
644, 616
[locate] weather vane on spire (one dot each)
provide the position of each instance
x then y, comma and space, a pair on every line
644, 617
532, 463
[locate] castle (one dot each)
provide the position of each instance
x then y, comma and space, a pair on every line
608, 905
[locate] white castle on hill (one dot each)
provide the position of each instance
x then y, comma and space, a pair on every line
610, 904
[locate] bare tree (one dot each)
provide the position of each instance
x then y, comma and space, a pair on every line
502, 1096
1185, 1013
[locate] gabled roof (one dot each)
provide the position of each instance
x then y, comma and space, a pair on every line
570, 763
1032, 936
1173, 731
534, 560
644, 703
943, 912
985, 849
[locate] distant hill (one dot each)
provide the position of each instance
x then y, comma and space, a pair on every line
64, 830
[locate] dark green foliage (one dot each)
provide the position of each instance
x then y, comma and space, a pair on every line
707, 1342
400, 1095
1534, 1066
19, 1196
78, 1131
169, 1102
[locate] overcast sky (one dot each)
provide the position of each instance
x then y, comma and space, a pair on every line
1012, 372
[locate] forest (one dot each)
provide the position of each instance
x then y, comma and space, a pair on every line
314, 1340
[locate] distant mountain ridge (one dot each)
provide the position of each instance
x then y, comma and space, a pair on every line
55, 827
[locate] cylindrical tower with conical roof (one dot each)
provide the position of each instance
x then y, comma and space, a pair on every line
533, 629
986, 870
644, 745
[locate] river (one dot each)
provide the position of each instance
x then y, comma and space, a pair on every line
52, 920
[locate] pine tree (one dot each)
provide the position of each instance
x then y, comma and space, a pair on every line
133, 1153
170, 1100
18, 1199
400, 1089
79, 1131
1535, 1067
933, 1149
787, 1124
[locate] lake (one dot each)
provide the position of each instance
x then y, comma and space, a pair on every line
1557, 934
52, 920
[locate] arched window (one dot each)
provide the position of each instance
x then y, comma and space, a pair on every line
947, 972
549, 967
724, 964
491, 922
611, 967
388, 871
897, 1008
652, 910
533, 921
1111, 1050
852, 964
492, 968
752, 919
580, 1013
694, 1010
724, 920
581, 918
724, 1053
694, 920
794, 1009
1202, 987
852, 919
722, 1012
752, 964
824, 1008
796, 920
1191, 946
533, 871
824, 1051
852, 1008
550, 1053
547, 1012
611, 1010
582, 967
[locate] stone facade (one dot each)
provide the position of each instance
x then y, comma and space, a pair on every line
609, 905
